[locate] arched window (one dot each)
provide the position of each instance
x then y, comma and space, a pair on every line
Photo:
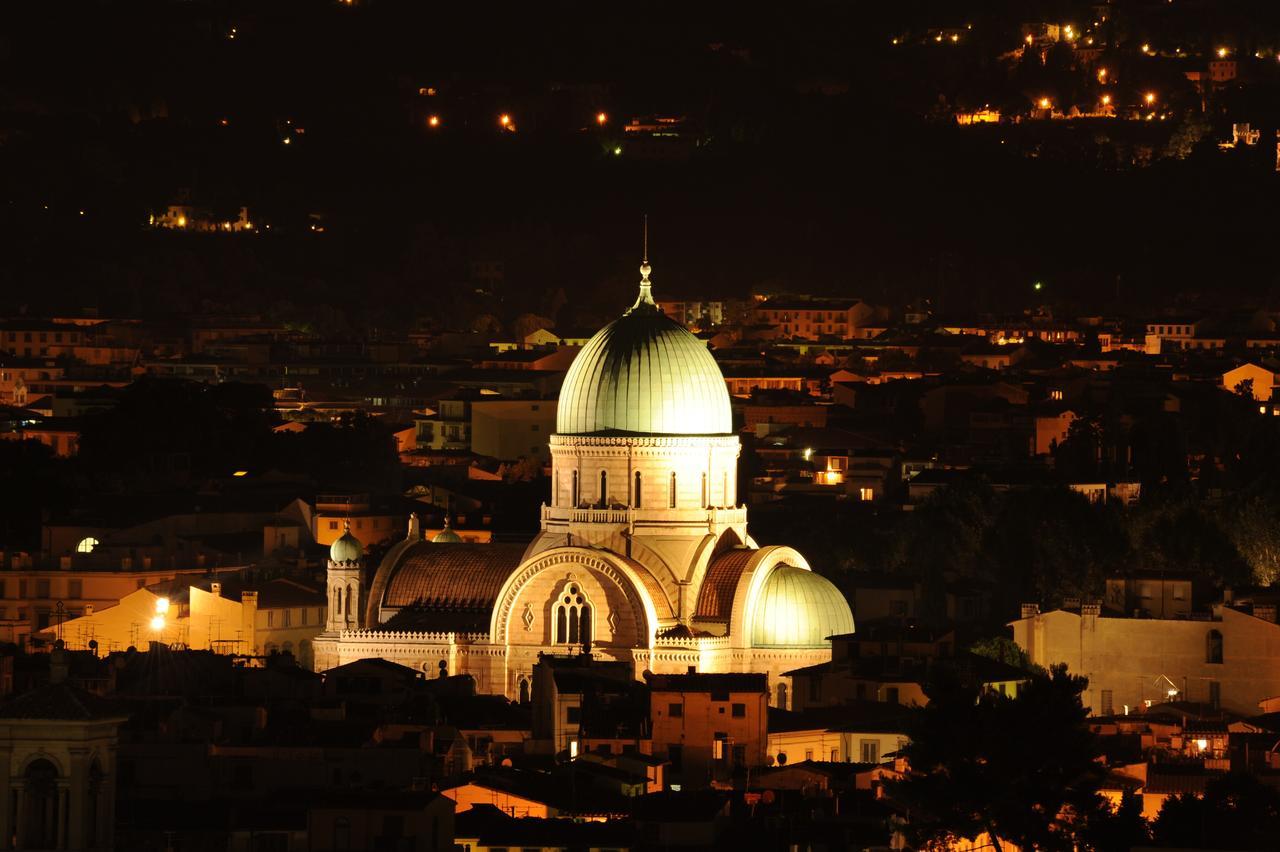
574, 491
347, 607
604, 489
86, 545
636, 501
672, 495
337, 601
573, 616
704, 490
524, 690
782, 697
1213, 647
724, 488
41, 819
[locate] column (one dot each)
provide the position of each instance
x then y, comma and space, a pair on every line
20, 806
78, 794
60, 814
6, 806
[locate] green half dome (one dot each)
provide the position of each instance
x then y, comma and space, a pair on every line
796, 608
644, 374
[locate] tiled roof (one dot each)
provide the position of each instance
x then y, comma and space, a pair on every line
705, 682
715, 598
60, 702
451, 576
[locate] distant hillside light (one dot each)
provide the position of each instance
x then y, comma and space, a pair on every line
602, 118
504, 120
1106, 100
1150, 98
1039, 285
1045, 103
1146, 48
1222, 53
433, 121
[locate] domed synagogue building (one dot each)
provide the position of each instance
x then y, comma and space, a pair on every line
643, 553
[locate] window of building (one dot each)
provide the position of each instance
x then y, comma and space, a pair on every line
1213, 647
636, 500
75, 589
675, 710
869, 751
782, 697
739, 711
1107, 705
87, 544
271, 619
866, 494
604, 489
808, 754
719, 695
891, 694
672, 492
573, 616
704, 491
573, 715
573, 497
333, 525
42, 588
287, 618
835, 755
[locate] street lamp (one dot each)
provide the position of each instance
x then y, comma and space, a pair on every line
602, 118
433, 121
1150, 98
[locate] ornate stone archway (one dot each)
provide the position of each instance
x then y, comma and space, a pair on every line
561, 560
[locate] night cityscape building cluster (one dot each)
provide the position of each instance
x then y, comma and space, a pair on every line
602, 429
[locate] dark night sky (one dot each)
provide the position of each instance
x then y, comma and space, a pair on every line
116, 109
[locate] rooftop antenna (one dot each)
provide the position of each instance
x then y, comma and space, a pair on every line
645, 258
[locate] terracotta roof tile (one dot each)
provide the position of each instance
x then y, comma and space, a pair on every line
715, 598
452, 576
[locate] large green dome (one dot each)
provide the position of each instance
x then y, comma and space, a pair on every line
796, 608
644, 374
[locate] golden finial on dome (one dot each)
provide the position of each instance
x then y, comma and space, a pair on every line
646, 288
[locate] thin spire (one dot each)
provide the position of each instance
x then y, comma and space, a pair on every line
646, 288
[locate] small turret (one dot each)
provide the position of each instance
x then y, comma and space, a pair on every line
347, 548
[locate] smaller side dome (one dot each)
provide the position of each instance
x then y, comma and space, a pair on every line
347, 548
446, 535
796, 608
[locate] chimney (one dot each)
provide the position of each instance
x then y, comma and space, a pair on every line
88, 609
415, 527
215, 589
1030, 610
59, 666
249, 622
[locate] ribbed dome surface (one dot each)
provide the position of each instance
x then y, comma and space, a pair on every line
644, 374
346, 548
796, 608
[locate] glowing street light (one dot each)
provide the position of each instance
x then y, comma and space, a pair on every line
433, 121
1150, 98
1146, 48
1106, 100
602, 118
505, 121
1030, 39
1222, 53
157, 623
1102, 74
1045, 103
955, 37
1038, 286
162, 606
